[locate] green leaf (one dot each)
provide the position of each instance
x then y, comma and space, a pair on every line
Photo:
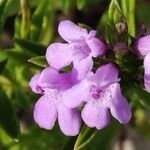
14, 6
81, 4
37, 20
131, 18
115, 13
48, 27
8, 119
117, 4
25, 19
39, 61
110, 34
22, 99
33, 47
125, 8
18, 56
2, 65
85, 137
17, 27
138, 95
4, 7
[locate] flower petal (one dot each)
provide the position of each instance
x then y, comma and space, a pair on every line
82, 68
105, 75
80, 50
45, 113
51, 78
69, 120
143, 45
94, 116
70, 32
76, 95
119, 107
59, 55
34, 84
97, 47
147, 72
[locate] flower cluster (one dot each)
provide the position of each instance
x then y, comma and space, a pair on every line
143, 46
79, 94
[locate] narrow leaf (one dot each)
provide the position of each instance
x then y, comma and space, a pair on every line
37, 20
39, 61
17, 27
25, 22
33, 47
114, 12
131, 18
124, 6
7, 117
23, 100
111, 11
4, 6
18, 56
48, 27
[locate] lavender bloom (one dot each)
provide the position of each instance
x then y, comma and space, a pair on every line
102, 95
50, 106
81, 46
147, 72
143, 46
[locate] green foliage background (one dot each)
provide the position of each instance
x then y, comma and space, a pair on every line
27, 27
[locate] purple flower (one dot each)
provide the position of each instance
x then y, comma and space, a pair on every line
143, 46
147, 72
49, 107
101, 94
81, 46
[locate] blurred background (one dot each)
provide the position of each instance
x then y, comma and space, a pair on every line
27, 27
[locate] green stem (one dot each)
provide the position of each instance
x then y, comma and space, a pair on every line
86, 142
25, 24
85, 137
131, 18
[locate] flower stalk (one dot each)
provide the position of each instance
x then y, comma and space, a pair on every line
86, 136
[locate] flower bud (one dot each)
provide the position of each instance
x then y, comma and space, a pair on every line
121, 27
